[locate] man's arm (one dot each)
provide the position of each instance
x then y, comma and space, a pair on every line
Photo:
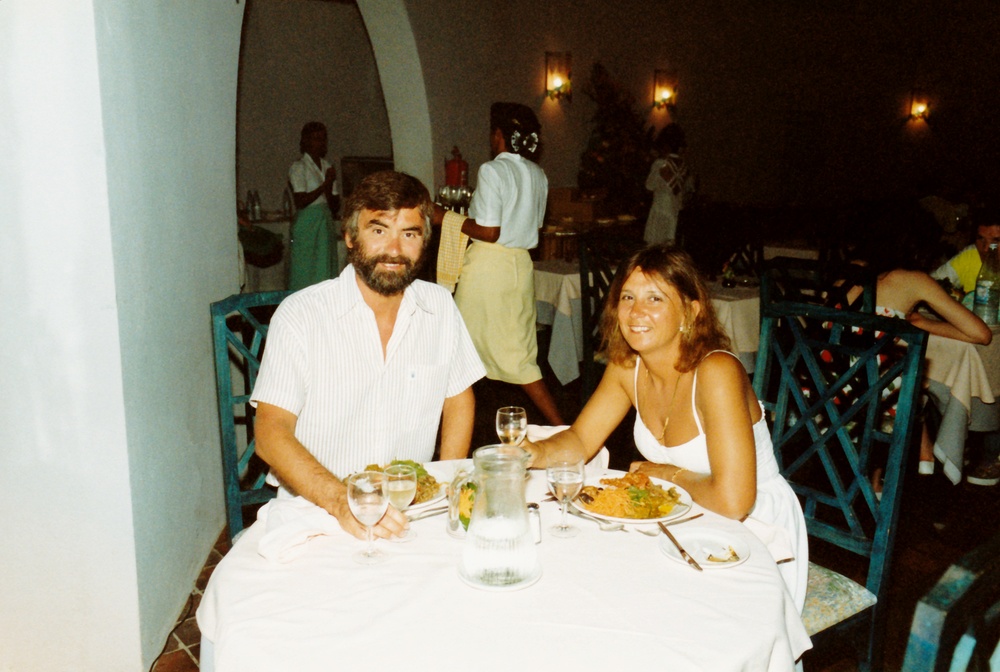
456, 425
296, 466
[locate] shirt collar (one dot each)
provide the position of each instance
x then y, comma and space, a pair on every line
348, 295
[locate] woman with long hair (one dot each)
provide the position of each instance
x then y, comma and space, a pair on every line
698, 422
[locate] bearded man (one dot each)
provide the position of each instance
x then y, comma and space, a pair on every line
363, 368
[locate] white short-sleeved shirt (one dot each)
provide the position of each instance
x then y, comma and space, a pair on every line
510, 193
323, 363
305, 176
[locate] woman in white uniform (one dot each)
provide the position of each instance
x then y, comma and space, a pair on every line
496, 290
698, 422
314, 188
671, 183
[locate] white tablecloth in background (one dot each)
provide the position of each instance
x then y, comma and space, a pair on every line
557, 298
606, 600
961, 379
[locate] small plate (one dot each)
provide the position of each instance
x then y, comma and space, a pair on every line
701, 542
681, 508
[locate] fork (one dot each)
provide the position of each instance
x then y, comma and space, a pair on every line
604, 525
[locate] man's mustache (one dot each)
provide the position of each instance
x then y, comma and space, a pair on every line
388, 259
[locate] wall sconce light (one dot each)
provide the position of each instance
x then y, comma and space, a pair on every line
558, 75
918, 105
664, 89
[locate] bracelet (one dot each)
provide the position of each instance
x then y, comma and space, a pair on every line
674, 477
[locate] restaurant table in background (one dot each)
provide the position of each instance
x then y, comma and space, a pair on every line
628, 606
738, 310
557, 299
963, 381
797, 249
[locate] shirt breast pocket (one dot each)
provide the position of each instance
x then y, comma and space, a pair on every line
424, 388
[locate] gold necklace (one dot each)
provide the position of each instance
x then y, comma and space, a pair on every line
666, 420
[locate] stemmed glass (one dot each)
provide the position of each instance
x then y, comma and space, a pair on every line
366, 495
512, 425
565, 479
401, 485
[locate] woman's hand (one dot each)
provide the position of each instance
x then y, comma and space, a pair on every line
664, 471
535, 453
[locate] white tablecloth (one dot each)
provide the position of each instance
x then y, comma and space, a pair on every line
557, 298
606, 600
961, 379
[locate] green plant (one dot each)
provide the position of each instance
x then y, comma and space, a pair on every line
619, 150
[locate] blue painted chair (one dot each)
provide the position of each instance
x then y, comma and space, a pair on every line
239, 330
840, 388
956, 625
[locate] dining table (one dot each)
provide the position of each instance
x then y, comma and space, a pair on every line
289, 596
963, 381
558, 304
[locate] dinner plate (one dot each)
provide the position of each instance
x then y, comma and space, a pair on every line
682, 506
442, 472
700, 542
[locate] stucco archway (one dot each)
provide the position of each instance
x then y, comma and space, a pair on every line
398, 62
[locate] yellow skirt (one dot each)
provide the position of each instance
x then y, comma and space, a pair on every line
496, 296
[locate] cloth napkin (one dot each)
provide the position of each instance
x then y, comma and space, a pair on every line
777, 540
289, 524
451, 250
592, 470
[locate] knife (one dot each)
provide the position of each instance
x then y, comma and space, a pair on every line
684, 554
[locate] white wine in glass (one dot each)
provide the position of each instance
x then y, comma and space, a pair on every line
512, 425
401, 485
368, 498
565, 480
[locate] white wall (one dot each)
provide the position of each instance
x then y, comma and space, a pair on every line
117, 189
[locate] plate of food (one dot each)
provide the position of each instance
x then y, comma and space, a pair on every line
633, 498
710, 548
430, 488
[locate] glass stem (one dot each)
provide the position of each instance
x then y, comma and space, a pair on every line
565, 503
371, 542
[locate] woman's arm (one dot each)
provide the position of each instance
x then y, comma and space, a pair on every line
602, 414
722, 401
470, 227
959, 322
305, 198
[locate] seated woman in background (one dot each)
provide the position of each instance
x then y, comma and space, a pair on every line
901, 288
698, 421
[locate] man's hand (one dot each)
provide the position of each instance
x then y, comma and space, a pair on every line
392, 524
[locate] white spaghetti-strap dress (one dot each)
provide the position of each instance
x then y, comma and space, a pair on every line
776, 505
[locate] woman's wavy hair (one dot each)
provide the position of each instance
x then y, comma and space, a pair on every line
674, 267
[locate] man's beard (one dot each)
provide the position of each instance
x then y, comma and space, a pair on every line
386, 283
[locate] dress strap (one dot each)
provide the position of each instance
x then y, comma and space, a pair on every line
694, 388
635, 385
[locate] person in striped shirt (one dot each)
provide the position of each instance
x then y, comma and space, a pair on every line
366, 367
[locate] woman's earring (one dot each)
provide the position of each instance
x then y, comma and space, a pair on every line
683, 329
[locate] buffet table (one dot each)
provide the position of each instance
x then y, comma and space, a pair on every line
605, 600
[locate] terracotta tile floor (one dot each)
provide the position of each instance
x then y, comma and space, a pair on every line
935, 530
180, 653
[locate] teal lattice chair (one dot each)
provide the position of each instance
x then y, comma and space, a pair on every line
239, 331
840, 388
956, 625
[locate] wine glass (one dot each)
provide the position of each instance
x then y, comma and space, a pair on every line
401, 486
366, 495
512, 425
565, 478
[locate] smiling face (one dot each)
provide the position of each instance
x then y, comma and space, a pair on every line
651, 313
387, 252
